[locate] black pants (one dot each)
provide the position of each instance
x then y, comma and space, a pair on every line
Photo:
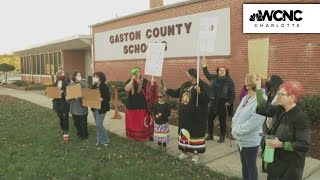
64, 122
81, 123
248, 157
221, 112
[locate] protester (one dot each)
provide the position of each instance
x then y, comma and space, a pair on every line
291, 128
60, 105
141, 97
78, 111
161, 112
192, 115
223, 94
99, 82
246, 127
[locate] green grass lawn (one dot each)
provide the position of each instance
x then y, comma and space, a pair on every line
31, 147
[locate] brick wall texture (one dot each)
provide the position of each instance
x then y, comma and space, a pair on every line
292, 56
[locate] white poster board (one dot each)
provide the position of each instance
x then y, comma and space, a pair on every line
154, 59
208, 34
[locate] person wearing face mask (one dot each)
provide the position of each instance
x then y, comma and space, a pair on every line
272, 85
99, 82
223, 95
291, 129
60, 105
78, 111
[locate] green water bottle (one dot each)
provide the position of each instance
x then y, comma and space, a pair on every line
268, 151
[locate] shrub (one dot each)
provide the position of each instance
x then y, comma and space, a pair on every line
36, 87
310, 105
20, 83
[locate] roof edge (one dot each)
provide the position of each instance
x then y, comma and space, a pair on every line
147, 11
70, 38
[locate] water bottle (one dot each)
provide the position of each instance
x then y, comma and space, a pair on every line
268, 151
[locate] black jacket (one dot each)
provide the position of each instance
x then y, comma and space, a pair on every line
61, 105
105, 94
294, 127
221, 88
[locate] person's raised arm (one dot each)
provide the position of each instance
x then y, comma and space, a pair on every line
205, 70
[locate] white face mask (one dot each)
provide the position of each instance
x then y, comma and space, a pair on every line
78, 78
95, 80
59, 84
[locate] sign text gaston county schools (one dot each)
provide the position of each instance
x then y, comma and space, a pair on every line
180, 35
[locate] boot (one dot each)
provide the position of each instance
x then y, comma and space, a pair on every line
209, 137
221, 140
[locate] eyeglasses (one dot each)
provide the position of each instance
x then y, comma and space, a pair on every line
281, 94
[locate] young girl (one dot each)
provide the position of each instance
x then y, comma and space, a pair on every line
161, 112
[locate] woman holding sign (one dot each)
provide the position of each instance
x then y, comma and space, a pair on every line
99, 80
78, 111
60, 105
290, 132
141, 97
192, 117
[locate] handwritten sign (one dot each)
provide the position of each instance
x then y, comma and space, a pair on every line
154, 59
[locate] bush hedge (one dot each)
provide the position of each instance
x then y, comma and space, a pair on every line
311, 106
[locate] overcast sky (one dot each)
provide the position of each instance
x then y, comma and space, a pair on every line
25, 23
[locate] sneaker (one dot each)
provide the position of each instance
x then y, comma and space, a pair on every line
183, 156
195, 158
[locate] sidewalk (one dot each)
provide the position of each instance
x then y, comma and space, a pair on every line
218, 157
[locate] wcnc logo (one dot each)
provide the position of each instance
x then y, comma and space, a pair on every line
277, 15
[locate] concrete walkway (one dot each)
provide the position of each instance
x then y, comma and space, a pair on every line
218, 157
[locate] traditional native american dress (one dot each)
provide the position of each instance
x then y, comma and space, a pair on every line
192, 119
139, 121
161, 126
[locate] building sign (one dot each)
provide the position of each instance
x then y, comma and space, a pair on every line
281, 18
180, 34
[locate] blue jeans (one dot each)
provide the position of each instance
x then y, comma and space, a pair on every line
102, 136
249, 162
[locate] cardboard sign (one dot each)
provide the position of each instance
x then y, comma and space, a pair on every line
91, 94
73, 91
154, 59
92, 104
54, 92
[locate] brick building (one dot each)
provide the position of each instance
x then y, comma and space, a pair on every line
39, 62
292, 56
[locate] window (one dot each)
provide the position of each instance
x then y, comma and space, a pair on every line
42, 63
21, 63
38, 64
51, 63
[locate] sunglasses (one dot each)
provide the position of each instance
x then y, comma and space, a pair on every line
160, 97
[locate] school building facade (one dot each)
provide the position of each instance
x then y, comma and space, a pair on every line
39, 63
120, 44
